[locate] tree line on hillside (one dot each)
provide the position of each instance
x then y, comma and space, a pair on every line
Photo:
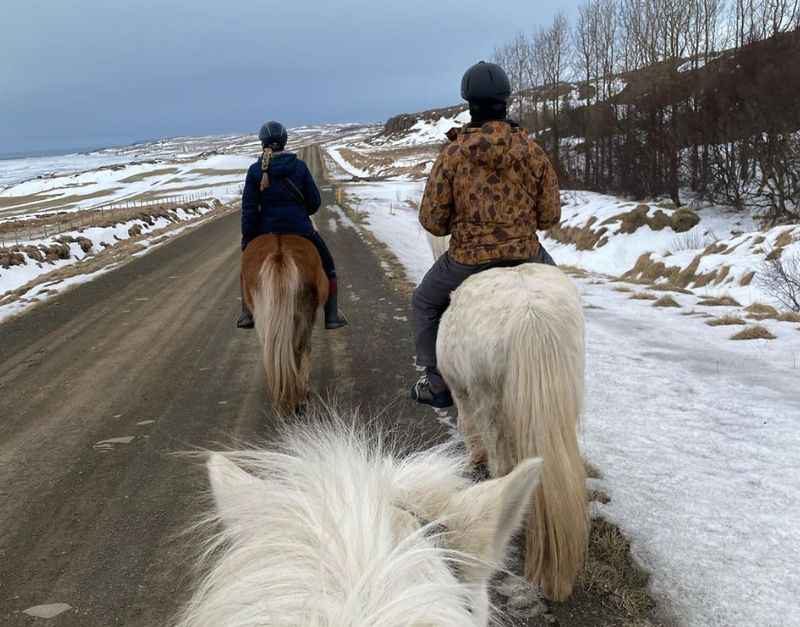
655, 97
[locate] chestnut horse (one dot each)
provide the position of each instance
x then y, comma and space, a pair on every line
283, 284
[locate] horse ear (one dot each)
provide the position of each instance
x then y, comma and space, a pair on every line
232, 488
484, 517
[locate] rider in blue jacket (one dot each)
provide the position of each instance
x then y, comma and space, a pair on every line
279, 197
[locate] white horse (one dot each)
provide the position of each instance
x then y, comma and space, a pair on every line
511, 348
332, 528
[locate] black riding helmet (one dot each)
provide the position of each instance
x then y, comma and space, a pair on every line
273, 135
485, 82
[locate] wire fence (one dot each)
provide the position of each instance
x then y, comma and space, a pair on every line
15, 232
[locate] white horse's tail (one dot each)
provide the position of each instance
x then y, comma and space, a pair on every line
274, 310
543, 399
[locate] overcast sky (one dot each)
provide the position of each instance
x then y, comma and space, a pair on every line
89, 73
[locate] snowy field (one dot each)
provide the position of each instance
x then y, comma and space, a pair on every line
696, 435
76, 207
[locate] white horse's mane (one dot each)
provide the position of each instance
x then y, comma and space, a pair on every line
332, 527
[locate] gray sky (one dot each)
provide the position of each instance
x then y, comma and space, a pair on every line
98, 72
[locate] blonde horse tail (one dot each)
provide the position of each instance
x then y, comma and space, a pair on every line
274, 310
543, 399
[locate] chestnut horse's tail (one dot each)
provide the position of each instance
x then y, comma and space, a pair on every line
275, 311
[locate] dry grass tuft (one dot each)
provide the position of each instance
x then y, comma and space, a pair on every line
755, 332
644, 296
574, 271
610, 573
747, 279
725, 321
592, 471
666, 301
669, 287
719, 301
790, 316
759, 311
146, 175
622, 288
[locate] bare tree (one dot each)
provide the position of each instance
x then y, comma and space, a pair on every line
552, 52
781, 279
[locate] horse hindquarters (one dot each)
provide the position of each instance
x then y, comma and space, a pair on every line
511, 348
282, 328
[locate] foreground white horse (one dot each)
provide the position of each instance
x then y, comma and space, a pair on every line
333, 529
511, 348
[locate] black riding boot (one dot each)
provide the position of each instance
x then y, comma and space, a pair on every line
245, 320
332, 318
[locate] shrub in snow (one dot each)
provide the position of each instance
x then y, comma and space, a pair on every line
684, 219
780, 278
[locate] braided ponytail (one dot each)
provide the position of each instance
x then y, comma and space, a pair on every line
266, 157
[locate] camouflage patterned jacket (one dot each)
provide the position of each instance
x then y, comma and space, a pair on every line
491, 189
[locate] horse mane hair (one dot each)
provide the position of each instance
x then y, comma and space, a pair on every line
322, 535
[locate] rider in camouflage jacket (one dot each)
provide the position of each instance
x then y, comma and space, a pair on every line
491, 189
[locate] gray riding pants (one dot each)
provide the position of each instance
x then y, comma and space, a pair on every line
432, 297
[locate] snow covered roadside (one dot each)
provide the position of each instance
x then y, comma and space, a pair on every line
695, 434
389, 211
24, 284
720, 256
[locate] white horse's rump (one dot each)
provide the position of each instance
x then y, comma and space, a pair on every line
332, 529
511, 348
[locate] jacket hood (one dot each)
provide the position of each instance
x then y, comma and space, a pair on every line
282, 164
495, 145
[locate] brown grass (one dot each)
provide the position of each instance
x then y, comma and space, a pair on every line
611, 575
791, 316
668, 287
755, 332
574, 271
644, 296
784, 239
622, 288
666, 301
719, 301
747, 278
724, 321
69, 200
146, 175
583, 237
13, 201
759, 311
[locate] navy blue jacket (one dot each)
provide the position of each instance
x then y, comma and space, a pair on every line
279, 208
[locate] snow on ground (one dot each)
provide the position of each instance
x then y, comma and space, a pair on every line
429, 131
696, 434
333, 152
697, 438
389, 211
17, 276
741, 248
